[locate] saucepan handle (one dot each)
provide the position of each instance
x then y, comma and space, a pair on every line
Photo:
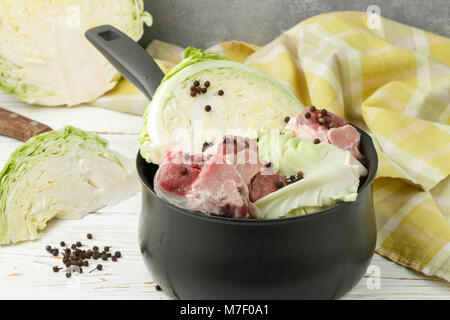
128, 57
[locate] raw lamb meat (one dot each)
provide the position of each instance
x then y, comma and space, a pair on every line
325, 126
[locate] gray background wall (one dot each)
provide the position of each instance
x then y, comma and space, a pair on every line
203, 23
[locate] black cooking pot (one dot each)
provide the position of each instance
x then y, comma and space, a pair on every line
317, 256
196, 256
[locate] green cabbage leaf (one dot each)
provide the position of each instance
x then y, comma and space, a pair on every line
331, 175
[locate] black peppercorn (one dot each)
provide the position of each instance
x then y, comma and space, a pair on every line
280, 184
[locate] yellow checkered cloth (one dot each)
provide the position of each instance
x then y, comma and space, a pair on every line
392, 81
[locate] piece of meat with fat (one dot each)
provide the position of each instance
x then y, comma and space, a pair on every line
346, 138
313, 124
211, 186
177, 173
264, 184
221, 190
242, 153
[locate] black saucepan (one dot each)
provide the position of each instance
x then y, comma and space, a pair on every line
196, 256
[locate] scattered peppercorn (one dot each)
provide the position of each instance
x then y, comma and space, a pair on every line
208, 108
316, 141
158, 288
207, 84
204, 90
196, 83
286, 119
220, 92
193, 93
312, 109
79, 258
184, 171
268, 164
323, 112
307, 115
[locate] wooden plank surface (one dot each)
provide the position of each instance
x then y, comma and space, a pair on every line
26, 269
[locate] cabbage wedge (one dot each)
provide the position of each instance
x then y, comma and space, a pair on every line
252, 103
44, 56
60, 174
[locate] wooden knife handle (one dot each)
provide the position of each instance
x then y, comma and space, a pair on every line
15, 126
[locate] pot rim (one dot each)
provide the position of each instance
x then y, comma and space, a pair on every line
264, 222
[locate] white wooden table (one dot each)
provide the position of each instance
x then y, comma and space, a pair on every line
26, 269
